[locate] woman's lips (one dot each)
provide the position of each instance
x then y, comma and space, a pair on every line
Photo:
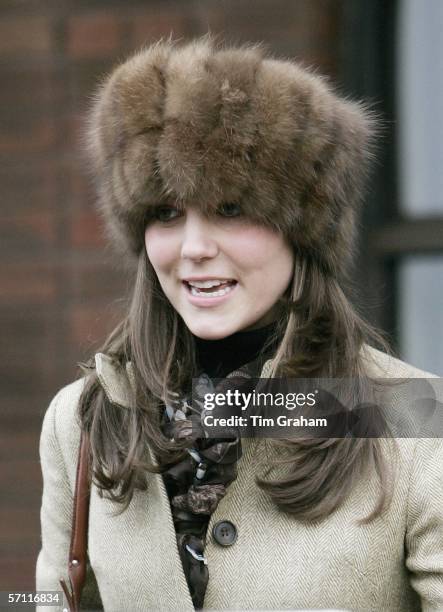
210, 296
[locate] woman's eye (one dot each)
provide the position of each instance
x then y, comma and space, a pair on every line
230, 209
165, 213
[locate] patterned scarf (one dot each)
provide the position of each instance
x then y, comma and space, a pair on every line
198, 482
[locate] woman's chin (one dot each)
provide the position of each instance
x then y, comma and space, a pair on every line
210, 331
211, 334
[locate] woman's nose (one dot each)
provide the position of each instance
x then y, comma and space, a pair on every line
198, 241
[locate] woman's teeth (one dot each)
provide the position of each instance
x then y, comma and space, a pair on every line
218, 293
200, 288
207, 284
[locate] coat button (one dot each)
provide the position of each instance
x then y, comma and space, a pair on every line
224, 533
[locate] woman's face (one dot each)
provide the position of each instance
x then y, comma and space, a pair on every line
222, 274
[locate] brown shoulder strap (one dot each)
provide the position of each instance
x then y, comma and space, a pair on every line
79, 534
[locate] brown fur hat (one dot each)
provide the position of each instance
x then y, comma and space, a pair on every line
201, 125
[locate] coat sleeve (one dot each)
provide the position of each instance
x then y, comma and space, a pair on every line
56, 508
59, 441
424, 531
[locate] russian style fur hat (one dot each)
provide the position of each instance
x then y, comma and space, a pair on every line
200, 125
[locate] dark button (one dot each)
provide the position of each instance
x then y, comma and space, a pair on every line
224, 533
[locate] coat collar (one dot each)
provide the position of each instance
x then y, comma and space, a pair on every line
118, 381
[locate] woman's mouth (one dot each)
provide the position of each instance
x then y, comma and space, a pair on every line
210, 288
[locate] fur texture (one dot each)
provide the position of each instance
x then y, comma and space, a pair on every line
201, 125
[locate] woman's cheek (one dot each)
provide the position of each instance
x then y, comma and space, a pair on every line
158, 248
253, 245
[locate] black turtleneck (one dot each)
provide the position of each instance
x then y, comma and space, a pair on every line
220, 357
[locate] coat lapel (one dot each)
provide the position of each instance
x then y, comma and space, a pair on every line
134, 554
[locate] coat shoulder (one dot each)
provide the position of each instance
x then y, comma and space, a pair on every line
64, 407
61, 427
411, 403
382, 365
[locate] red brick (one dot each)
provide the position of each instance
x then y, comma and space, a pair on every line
149, 25
95, 280
86, 230
28, 186
26, 379
24, 35
17, 569
18, 444
83, 195
288, 28
239, 21
21, 523
325, 63
21, 283
16, 83
69, 140
25, 133
28, 231
77, 167
20, 480
30, 381
29, 373
85, 77
38, 326
29, 403
74, 128
90, 325
93, 35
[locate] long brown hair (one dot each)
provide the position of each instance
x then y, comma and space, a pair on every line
321, 336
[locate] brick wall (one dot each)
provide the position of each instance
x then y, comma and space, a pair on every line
58, 286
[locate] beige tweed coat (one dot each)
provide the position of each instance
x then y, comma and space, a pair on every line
277, 563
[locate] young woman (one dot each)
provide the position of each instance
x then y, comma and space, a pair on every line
231, 182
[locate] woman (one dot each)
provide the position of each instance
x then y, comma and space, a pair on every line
232, 182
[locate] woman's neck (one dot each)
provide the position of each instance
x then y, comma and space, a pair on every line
220, 357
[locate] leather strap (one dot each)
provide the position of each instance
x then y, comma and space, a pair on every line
79, 533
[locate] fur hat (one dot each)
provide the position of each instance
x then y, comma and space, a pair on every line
200, 125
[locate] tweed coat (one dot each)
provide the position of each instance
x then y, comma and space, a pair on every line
393, 563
